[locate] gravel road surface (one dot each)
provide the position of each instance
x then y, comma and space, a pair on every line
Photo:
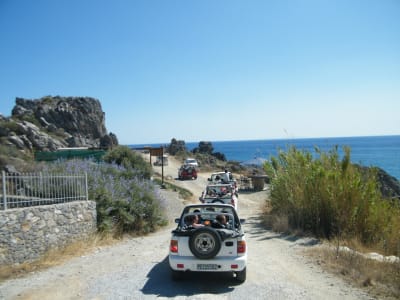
137, 268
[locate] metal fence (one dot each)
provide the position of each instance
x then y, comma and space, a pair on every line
33, 189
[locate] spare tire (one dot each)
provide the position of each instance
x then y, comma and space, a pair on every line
205, 243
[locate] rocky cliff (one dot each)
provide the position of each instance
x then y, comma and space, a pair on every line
50, 123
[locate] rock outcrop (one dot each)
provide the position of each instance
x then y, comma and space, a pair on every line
79, 121
388, 185
50, 123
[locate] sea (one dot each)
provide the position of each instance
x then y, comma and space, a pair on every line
379, 151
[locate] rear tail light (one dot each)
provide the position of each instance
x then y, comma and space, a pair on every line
173, 247
241, 247
233, 202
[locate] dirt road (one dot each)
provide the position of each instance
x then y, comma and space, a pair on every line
138, 268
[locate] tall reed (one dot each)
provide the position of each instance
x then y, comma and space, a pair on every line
330, 197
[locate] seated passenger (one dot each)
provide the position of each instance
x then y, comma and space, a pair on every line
225, 178
193, 221
197, 212
221, 221
211, 193
224, 191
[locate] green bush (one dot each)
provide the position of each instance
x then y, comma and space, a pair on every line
129, 159
8, 126
31, 119
126, 202
330, 197
177, 147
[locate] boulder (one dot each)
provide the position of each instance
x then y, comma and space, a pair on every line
389, 185
108, 141
37, 138
17, 141
10, 169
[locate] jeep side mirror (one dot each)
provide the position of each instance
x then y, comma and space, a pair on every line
177, 220
242, 221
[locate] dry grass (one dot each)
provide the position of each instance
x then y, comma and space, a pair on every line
56, 257
274, 222
382, 279
277, 223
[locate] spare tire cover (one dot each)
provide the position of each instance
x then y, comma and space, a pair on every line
205, 243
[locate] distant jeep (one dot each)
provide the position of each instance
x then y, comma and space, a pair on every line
218, 177
187, 172
220, 193
161, 160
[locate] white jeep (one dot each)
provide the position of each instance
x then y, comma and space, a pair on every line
219, 193
219, 177
203, 243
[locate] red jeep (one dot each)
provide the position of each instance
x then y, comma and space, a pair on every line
187, 172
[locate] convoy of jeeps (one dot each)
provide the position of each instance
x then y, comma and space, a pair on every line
209, 236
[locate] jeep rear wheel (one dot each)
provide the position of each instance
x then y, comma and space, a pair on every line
205, 243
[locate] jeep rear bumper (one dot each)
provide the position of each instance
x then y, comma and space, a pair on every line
217, 264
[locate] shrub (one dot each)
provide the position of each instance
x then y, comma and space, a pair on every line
177, 147
126, 202
219, 155
8, 126
330, 197
204, 148
29, 118
11, 155
130, 160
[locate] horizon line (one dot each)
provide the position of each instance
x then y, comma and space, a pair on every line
271, 139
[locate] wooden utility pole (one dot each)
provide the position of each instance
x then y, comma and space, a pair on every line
160, 153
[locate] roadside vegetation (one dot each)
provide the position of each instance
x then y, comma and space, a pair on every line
127, 201
183, 193
330, 198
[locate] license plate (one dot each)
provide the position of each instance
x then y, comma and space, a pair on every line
205, 267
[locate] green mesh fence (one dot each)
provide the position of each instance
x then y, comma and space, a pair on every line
68, 154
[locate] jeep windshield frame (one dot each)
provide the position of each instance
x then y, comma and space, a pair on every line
209, 212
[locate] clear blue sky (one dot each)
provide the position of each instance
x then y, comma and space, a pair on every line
210, 69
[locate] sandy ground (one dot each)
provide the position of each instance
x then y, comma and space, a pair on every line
137, 268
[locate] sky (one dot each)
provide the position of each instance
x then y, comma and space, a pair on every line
210, 70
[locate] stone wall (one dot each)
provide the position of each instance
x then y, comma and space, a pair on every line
28, 233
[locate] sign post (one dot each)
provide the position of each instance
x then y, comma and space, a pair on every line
160, 153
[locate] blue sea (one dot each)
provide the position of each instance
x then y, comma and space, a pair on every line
380, 151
